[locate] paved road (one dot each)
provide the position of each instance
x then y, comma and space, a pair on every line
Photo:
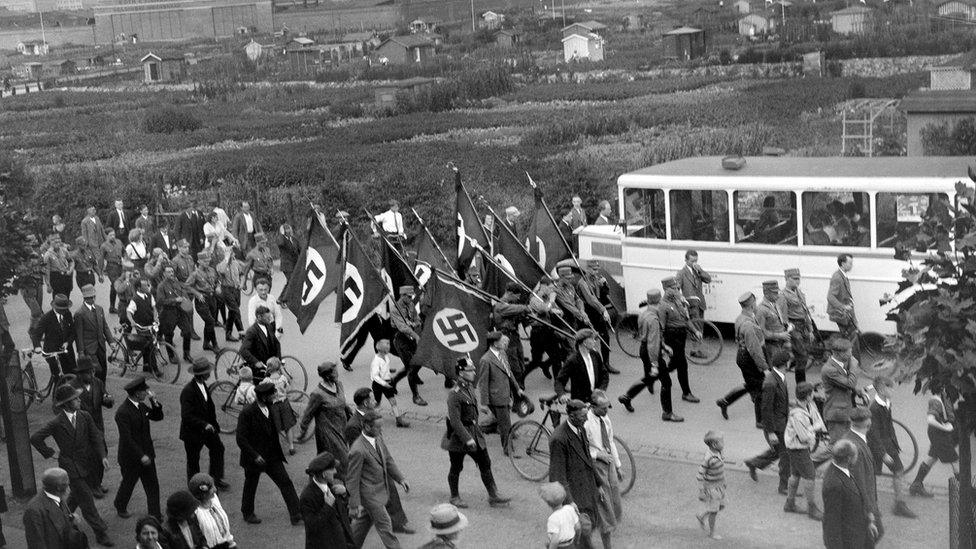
664, 497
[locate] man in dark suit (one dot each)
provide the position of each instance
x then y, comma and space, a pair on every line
55, 332
883, 442
137, 455
862, 469
198, 423
261, 452
571, 464
260, 343
189, 226
119, 219
775, 410
840, 301
289, 248
48, 524
497, 384
163, 240
91, 330
584, 369
845, 523
371, 468
323, 506
93, 399
81, 452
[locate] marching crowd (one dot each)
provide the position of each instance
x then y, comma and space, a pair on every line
164, 274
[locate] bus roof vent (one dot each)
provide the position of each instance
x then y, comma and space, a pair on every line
733, 162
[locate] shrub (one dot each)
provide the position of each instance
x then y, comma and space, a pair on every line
943, 140
169, 120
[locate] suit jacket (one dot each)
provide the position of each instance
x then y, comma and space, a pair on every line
289, 249
368, 473
196, 412
354, 428
839, 386
113, 223
91, 330
93, 231
189, 225
324, 522
863, 472
81, 446
574, 371
571, 465
238, 227
147, 225
495, 382
838, 294
93, 399
845, 524
257, 436
691, 285
882, 438
46, 525
157, 241
135, 437
54, 333
775, 405
258, 347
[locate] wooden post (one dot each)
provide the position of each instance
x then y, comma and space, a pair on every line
965, 420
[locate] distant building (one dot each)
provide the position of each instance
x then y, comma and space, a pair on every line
338, 52
507, 39
950, 98
742, 6
385, 96
852, 20
255, 51
583, 28
301, 41
954, 75
18, 5
159, 20
33, 47
403, 50
491, 20
303, 59
579, 47
632, 22
963, 10
423, 25
755, 24
42, 70
160, 68
684, 43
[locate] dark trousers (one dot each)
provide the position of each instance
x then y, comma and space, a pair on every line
516, 355
647, 382
675, 338
481, 459
113, 271
848, 330
503, 417
85, 278
169, 318
61, 283
544, 342
800, 344
101, 359
231, 296
81, 496
275, 470
766, 458
214, 447
753, 379
394, 507
131, 474
205, 308
34, 297
405, 348
602, 329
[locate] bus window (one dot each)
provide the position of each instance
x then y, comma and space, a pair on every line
836, 218
700, 215
645, 209
765, 217
899, 215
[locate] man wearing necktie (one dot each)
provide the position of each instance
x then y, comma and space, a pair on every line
81, 453
603, 450
55, 332
118, 219
91, 330
371, 468
48, 524
497, 385
571, 465
584, 370
770, 318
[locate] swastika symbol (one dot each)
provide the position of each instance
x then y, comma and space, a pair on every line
453, 330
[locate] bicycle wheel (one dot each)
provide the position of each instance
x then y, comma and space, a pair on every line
222, 393
627, 336
710, 346
299, 401
908, 445
528, 449
29, 384
628, 467
228, 364
295, 370
169, 363
118, 355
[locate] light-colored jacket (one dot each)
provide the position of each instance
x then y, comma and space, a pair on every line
802, 427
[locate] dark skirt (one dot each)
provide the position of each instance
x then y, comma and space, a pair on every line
284, 416
942, 445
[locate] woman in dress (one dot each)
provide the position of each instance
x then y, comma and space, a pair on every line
210, 515
327, 406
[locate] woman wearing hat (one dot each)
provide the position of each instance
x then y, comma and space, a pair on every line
210, 515
182, 531
446, 523
327, 406
323, 505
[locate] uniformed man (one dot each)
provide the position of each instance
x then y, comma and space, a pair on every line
675, 323
110, 252
203, 285
57, 267
650, 332
507, 315
185, 265
170, 294
259, 259
567, 298
750, 358
406, 320
85, 263
594, 291
793, 307
464, 437
692, 279
543, 340
771, 320
158, 260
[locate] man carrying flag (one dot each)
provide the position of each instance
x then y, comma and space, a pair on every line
509, 252
470, 232
546, 243
316, 275
364, 295
406, 320
429, 255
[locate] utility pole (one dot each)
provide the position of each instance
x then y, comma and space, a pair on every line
43, 38
472, 16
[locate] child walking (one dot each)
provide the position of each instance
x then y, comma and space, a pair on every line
884, 443
382, 378
711, 475
942, 445
284, 416
245, 390
563, 527
802, 428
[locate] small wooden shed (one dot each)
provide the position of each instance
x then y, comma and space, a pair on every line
684, 43
157, 69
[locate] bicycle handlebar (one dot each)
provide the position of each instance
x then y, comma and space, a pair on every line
32, 352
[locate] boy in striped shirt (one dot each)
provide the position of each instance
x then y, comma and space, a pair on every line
711, 476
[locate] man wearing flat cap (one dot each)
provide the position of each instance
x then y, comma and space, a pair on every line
198, 423
584, 370
793, 307
593, 290
543, 340
567, 298
571, 464
406, 320
497, 384
750, 357
81, 452
772, 321
137, 454
203, 284
324, 506
675, 321
92, 333
507, 315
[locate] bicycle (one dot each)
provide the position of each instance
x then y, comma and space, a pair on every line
29, 378
229, 362
117, 353
224, 395
169, 363
528, 447
711, 343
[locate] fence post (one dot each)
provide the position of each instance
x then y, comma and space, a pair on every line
14, 411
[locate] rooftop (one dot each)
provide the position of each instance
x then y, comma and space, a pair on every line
682, 30
853, 10
945, 101
410, 41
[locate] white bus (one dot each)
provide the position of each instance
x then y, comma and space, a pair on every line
773, 213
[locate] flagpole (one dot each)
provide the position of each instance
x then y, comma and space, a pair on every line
431, 236
459, 186
553, 220
351, 234
387, 242
505, 228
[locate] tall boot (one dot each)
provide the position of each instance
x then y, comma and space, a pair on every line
790, 506
917, 488
813, 511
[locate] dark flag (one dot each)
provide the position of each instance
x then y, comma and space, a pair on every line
469, 229
617, 295
429, 257
510, 253
317, 274
546, 243
394, 268
456, 325
362, 297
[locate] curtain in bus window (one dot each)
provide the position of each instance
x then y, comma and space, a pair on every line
765, 217
644, 212
700, 215
900, 214
836, 218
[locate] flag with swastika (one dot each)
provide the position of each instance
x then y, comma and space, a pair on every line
456, 324
544, 240
317, 274
361, 295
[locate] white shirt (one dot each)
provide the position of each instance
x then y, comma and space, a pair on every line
860, 436
71, 416
391, 222
370, 440
53, 497
588, 363
212, 521
203, 389
264, 410
379, 370
561, 524
222, 219
264, 329
781, 375
248, 222
881, 401
121, 218
595, 438
165, 240
844, 470
326, 492
136, 250
131, 308
271, 303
